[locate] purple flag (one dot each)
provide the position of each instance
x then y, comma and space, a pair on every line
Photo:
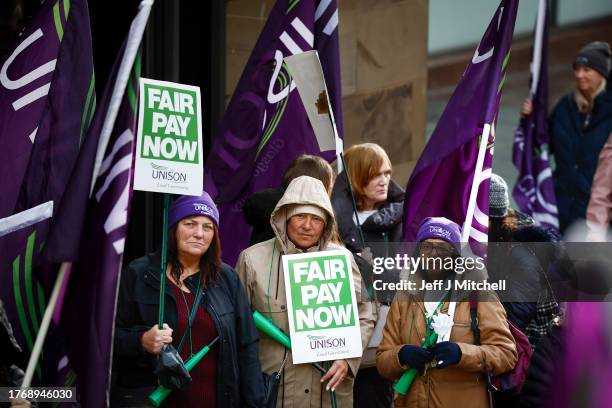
534, 191
265, 126
46, 101
46, 104
451, 178
88, 313
90, 229
583, 371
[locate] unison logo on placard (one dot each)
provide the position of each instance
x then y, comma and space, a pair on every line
167, 174
326, 342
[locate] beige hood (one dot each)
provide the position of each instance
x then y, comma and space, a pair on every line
302, 190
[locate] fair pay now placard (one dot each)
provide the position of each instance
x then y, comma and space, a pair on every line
169, 155
322, 306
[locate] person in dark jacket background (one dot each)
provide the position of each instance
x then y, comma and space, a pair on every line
380, 208
259, 206
521, 252
230, 374
579, 126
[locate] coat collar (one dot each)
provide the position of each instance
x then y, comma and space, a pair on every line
153, 273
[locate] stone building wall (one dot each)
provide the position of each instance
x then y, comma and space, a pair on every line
383, 52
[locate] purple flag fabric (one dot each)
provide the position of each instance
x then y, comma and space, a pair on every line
583, 374
46, 100
90, 229
265, 126
88, 313
46, 103
441, 183
534, 190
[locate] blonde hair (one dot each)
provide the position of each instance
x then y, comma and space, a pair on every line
363, 163
584, 104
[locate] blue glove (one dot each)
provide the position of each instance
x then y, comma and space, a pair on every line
414, 356
446, 354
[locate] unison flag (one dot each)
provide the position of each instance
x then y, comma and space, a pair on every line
534, 191
265, 126
88, 310
451, 178
91, 225
46, 104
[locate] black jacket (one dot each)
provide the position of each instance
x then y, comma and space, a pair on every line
382, 232
540, 381
524, 264
380, 229
239, 380
257, 211
576, 141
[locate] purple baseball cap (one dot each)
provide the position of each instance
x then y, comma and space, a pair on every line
186, 206
440, 228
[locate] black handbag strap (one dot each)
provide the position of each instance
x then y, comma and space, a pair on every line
192, 314
474, 317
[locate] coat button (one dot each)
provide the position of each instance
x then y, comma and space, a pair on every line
282, 307
306, 390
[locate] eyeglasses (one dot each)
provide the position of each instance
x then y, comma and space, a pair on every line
442, 249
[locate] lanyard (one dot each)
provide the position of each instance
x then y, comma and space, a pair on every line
191, 315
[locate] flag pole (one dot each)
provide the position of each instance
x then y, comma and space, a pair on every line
536, 58
353, 202
131, 49
469, 216
133, 44
44, 326
164, 251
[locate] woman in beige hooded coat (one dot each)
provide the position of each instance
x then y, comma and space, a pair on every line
303, 221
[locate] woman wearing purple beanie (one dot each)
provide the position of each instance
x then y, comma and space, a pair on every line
452, 371
230, 374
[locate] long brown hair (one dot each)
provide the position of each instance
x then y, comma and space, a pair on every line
210, 262
363, 162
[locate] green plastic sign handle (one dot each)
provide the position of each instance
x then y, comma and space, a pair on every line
403, 384
271, 330
158, 396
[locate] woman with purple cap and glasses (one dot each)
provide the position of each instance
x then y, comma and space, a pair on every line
451, 372
230, 374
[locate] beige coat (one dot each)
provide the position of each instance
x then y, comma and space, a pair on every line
599, 211
462, 385
263, 279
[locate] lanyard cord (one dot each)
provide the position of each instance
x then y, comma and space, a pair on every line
196, 298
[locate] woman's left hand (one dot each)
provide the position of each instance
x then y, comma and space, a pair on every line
337, 373
446, 354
